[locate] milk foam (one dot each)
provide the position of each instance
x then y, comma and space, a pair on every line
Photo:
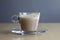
33, 15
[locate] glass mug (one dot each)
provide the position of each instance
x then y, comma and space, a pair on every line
28, 21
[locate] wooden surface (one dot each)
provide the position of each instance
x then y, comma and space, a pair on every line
53, 32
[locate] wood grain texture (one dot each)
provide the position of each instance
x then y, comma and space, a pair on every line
53, 32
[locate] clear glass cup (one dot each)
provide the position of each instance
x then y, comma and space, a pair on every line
29, 23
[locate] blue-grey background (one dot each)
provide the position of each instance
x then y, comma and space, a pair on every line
50, 9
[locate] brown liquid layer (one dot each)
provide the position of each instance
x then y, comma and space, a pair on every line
29, 24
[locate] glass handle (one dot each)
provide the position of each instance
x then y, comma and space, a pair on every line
15, 19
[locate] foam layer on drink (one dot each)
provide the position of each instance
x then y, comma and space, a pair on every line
34, 15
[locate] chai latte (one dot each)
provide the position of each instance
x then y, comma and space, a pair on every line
29, 22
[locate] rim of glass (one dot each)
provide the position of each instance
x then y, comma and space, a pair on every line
29, 12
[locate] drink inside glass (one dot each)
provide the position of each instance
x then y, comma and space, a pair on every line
29, 21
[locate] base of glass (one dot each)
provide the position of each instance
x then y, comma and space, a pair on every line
21, 32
